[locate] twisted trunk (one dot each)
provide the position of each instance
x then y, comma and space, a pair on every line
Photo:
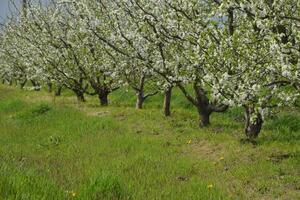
103, 98
203, 106
202, 103
22, 84
101, 90
36, 85
79, 95
204, 118
58, 90
252, 126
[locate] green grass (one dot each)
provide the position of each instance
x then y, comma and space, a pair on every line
59, 149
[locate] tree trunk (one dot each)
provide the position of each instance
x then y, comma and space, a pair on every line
167, 102
50, 87
204, 119
58, 90
103, 97
80, 96
139, 99
22, 84
252, 127
35, 85
203, 105
140, 96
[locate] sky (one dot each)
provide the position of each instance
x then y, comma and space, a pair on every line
4, 7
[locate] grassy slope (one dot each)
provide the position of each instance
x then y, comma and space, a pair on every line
64, 150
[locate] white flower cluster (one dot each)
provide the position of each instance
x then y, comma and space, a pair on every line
240, 53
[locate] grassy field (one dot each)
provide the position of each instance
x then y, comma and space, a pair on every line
56, 148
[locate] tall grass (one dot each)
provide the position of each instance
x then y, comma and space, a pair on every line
65, 150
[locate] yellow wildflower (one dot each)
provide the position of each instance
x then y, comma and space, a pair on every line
210, 186
189, 142
73, 194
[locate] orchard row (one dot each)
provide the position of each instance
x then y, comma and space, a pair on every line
231, 53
